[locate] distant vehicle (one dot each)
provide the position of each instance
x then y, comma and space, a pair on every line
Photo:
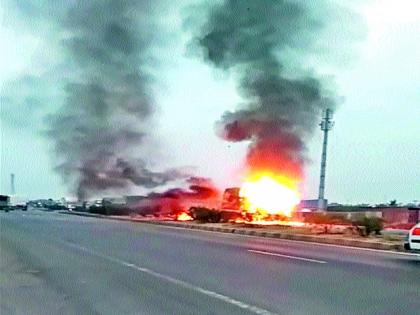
4, 202
22, 207
412, 241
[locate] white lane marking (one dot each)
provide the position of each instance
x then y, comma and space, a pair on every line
290, 241
287, 256
215, 295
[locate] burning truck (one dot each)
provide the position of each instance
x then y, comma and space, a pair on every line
262, 198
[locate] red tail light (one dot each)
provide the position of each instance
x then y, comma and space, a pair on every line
416, 231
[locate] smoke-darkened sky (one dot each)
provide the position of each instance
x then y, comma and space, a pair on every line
372, 71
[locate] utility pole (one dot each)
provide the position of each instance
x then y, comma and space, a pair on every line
12, 184
326, 125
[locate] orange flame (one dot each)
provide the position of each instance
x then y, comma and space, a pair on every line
183, 216
265, 194
256, 221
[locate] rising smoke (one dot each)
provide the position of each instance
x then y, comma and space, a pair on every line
99, 132
105, 113
253, 39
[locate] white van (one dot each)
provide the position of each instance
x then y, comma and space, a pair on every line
412, 241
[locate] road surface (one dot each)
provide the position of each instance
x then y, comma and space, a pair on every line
60, 264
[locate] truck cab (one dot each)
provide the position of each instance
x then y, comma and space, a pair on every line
231, 199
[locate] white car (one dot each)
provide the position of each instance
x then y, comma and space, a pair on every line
412, 241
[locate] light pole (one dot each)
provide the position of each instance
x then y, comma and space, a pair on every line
326, 125
12, 184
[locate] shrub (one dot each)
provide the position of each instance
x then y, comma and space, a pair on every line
205, 215
370, 225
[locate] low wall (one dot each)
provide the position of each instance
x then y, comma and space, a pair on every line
390, 215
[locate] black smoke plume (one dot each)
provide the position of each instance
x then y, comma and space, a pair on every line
99, 132
254, 39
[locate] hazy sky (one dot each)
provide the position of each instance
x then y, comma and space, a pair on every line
374, 148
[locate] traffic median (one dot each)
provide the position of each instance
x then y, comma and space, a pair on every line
276, 232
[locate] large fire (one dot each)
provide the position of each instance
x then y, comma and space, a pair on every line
266, 195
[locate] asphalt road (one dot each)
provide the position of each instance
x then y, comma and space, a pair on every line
60, 264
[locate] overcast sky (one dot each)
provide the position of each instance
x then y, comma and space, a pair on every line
374, 148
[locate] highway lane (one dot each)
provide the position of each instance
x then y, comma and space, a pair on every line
68, 264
